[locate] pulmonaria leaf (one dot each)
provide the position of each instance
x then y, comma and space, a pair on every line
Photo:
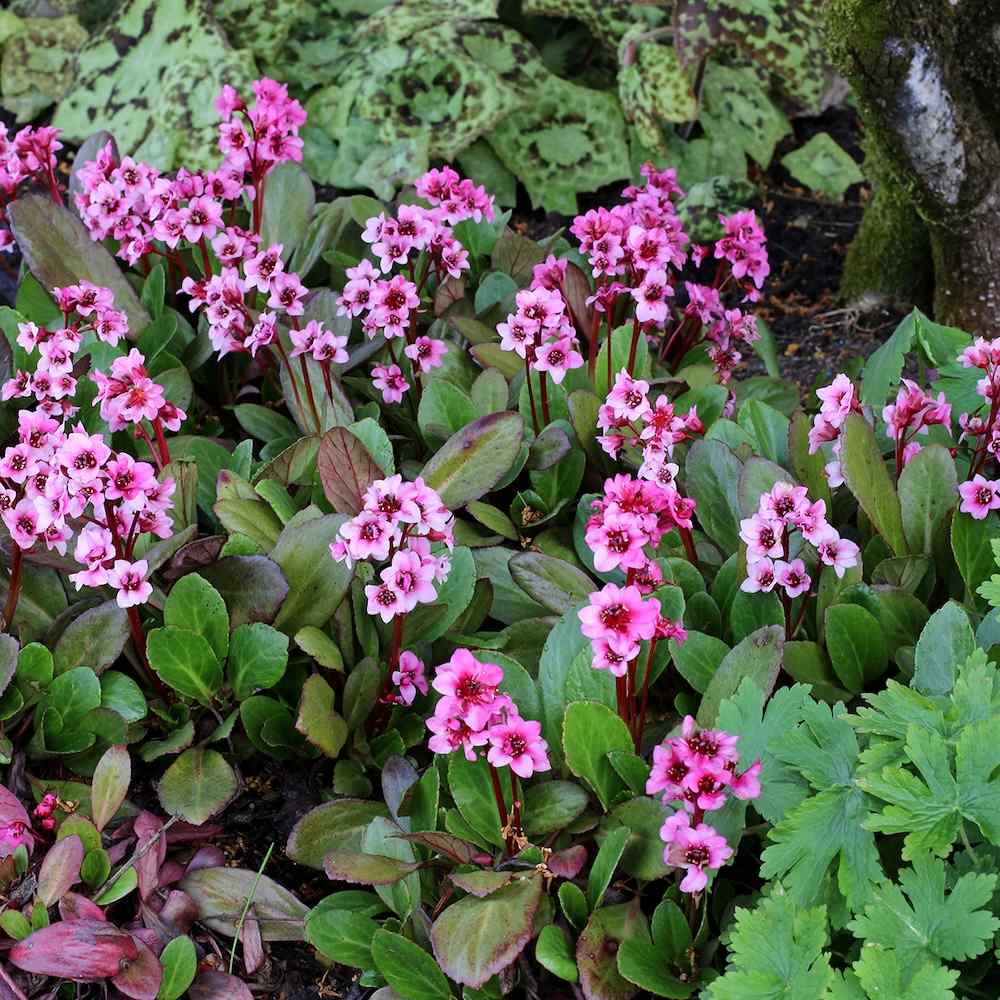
569, 139
149, 76
783, 36
776, 950
823, 166
608, 20
262, 28
38, 64
737, 108
654, 88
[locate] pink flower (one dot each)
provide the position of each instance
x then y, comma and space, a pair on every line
606, 658
519, 744
409, 580
763, 536
25, 521
388, 379
557, 357
426, 353
409, 677
628, 399
980, 496
261, 269
694, 849
620, 616
651, 297
668, 772
785, 502
840, 553
792, 576
287, 293
838, 399
129, 579
451, 732
747, 784
203, 218
617, 539
469, 687
368, 535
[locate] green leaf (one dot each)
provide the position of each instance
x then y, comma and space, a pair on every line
289, 199
972, 543
768, 427
757, 657
194, 604
316, 584
430, 622
574, 904
698, 658
823, 166
643, 963
342, 936
551, 806
316, 643
883, 974
380, 837
928, 488
554, 953
258, 655
317, 721
597, 949
826, 828
952, 786
868, 479
185, 661
590, 731
856, 646
642, 819
333, 825
197, 785
603, 868
713, 476
94, 639
472, 791
407, 968
474, 938
946, 641
361, 868
110, 785
473, 460
776, 950
554, 583
264, 423
884, 368
921, 921
180, 963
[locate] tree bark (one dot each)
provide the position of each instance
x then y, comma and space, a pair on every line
927, 75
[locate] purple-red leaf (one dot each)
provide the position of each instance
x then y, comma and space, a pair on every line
568, 863
218, 986
73, 906
346, 470
462, 851
84, 950
151, 849
60, 870
141, 976
253, 946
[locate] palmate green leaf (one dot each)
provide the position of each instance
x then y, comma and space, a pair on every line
921, 921
744, 715
825, 830
776, 952
954, 784
881, 973
824, 166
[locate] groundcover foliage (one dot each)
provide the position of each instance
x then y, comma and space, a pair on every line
618, 670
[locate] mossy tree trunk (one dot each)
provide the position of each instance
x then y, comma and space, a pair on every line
927, 76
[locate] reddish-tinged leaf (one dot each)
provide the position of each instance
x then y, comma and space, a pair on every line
11, 811
346, 470
110, 785
60, 869
218, 986
152, 849
172, 872
206, 857
360, 868
178, 914
73, 906
462, 851
141, 976
474, 939
253, 947
482, 884
568, 863
84, 950
576, 290
597, 949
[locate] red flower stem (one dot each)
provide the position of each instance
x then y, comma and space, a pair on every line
205, 259
161, 441
531, 393
641, 726
634, 347
516, 802
544, 383
327, 381
309, 393
501, 809
595, 333
54, 187
687, 539
609, 343
142, 434
288, 364
13, 587
621, 696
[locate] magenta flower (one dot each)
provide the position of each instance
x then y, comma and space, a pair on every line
840, 553
792, 576
409, 677
519, 744
469, 687
979, 496
389, 380
620, 616
760, 577
129, 579
763, 536
617, 539
426, 353
696, 849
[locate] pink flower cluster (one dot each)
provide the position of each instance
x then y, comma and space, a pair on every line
398, 524
139, 207
409, 679
698, 769
837, 401
541, 330
44, 810
471, 713
127, 396
420, 240
628, 419
781, 510
27, 158
636, 247
57, 475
